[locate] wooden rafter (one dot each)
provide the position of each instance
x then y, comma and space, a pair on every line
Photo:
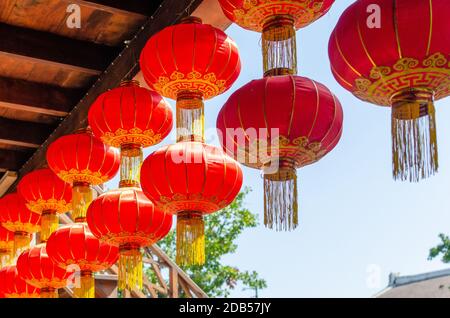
44, 99
52, 49
23, 134
144, 8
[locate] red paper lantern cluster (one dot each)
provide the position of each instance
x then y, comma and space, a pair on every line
12, 286
36, 268
294, 122
16, 217
47, 195
190, 179
82, 160
402, 62
277, 20
126, 218
74, 248
6, 246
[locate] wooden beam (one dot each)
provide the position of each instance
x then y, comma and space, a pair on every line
125, 66
38, 98
22, 133
48, 48
13, 160
140, 7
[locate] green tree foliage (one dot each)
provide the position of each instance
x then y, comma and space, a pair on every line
442, 249
221, 230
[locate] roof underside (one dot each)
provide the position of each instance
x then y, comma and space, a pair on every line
47, 68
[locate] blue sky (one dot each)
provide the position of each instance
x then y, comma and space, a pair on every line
356, 224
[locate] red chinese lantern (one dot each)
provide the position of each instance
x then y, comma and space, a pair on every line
277, 20
128, 219
83, 161
16, 217
190, 62
278, 124
130, 117
190, 179
37, 269
398, 57
6, 246
12, 286
74, 248
46, 195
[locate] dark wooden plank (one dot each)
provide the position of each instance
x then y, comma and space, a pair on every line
13, 160
35, 97
48, 48
125, 66
141, 7
22, 133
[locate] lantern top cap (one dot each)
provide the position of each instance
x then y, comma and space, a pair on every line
191, 19
83, 130
128, 83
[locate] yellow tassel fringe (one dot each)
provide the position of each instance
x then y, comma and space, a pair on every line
130, 269
414, 139
280, 200
82, 196
87, 286
190, 238
279, 47
190, 117
131, 157
22, 241
49, 224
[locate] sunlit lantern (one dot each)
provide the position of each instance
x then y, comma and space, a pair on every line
190, 62
74, 248
279, 124
16, 217
400, 60
47, 195
82, 160
128, 219
190, 179
277, 20
37, 269
130, 117
12, 286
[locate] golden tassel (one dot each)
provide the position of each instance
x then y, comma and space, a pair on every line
190, 238
280, 200
414, 140
87, 285
82, 196
49, 224
279, 47
130, 268
131, 157
6, 256
190, 117
49, 292
22, 241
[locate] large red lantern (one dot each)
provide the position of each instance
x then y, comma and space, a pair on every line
190, 62
277, 20
16, 217
128, 219
278, 124
37, 269
190, 179
12, 286
74, 248
398, 57
6, 246
46, 195
82, 160
130, 117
